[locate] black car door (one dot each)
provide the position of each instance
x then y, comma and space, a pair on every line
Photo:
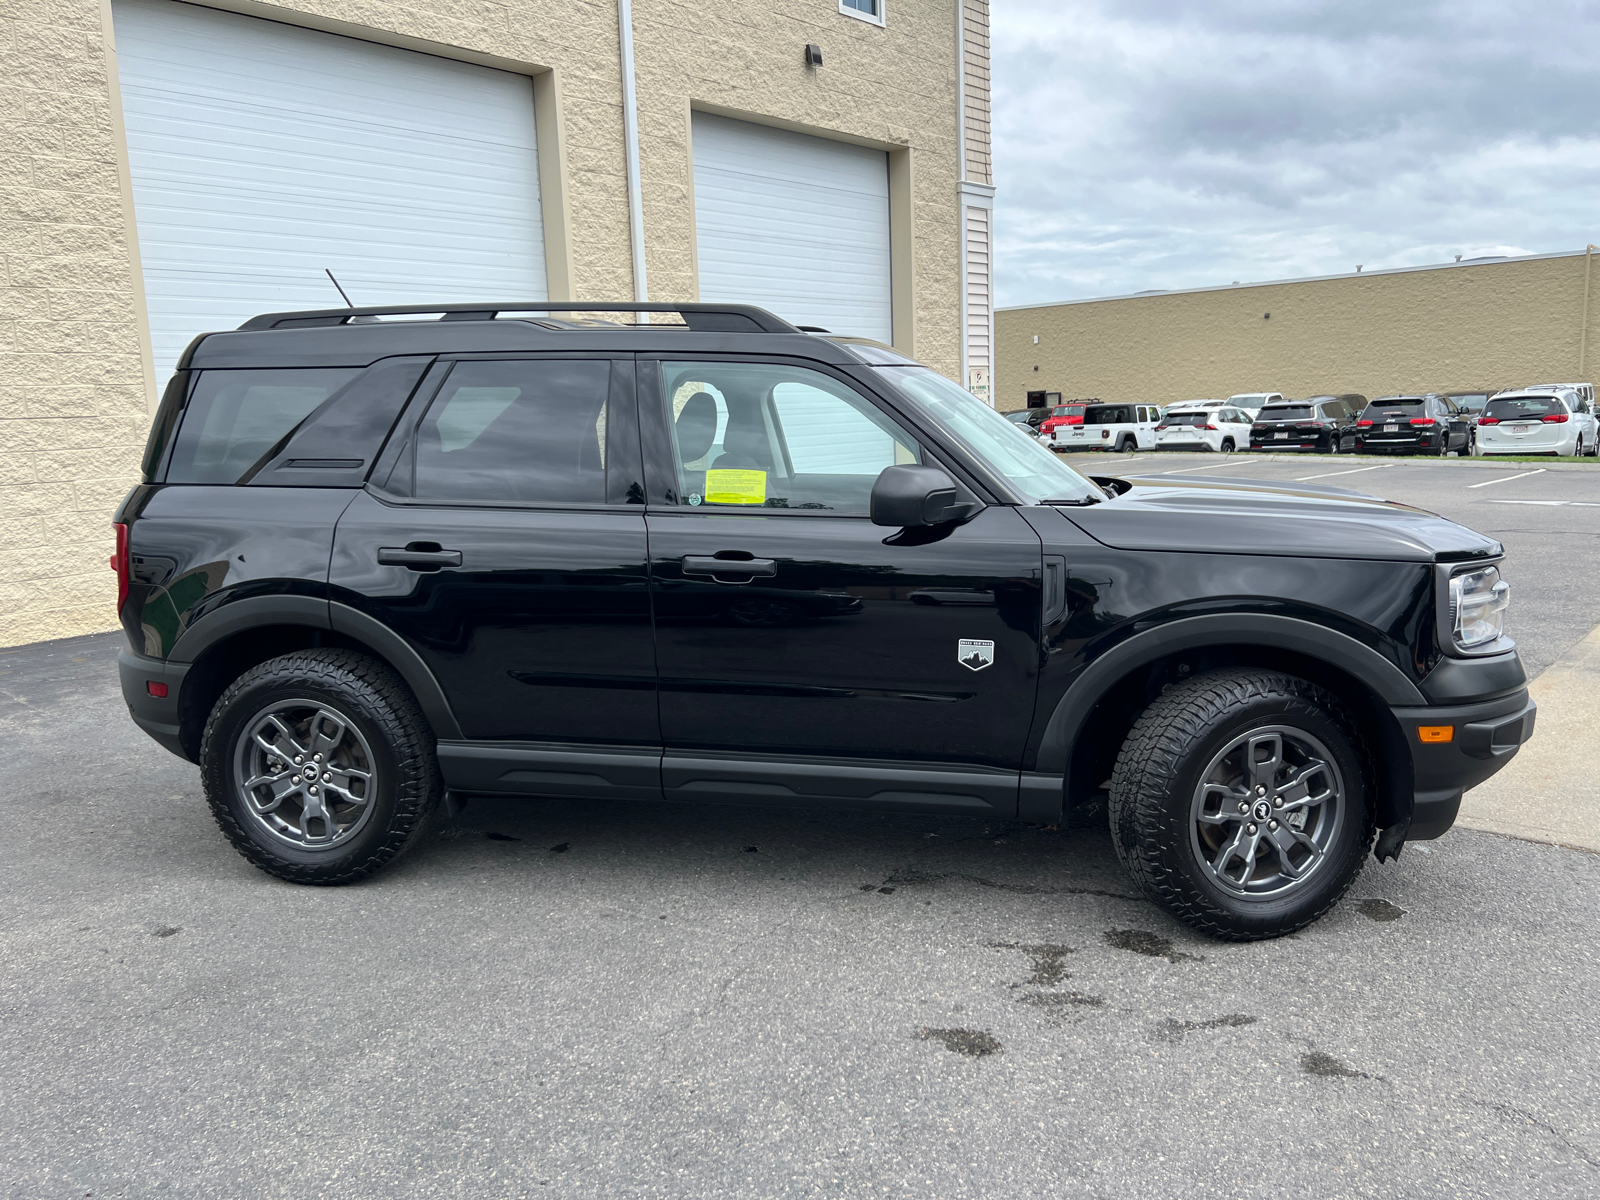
806, 654
504, 539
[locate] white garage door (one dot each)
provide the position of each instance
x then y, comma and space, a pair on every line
796, 224
263, 153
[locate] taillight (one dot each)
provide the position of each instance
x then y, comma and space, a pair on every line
1488, 420
1363, 422
1556, 419
1213, 428
119, 563
1422, 420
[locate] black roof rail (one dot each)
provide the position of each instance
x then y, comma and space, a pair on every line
700, 318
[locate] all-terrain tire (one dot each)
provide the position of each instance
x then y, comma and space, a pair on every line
1159, 771
407, 786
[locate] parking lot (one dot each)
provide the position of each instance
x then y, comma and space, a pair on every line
557, 998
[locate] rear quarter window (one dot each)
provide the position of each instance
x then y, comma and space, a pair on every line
235, 420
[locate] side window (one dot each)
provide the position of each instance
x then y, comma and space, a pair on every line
235, 419
760, 434
523, 431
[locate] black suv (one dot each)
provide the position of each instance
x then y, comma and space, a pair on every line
1414, 425
1323, 424
497, 552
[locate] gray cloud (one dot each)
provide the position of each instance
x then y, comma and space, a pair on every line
1153, 144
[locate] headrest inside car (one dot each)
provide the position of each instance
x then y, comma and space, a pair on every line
697, 427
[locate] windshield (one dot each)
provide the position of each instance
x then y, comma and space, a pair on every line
1523, 408
1029, 467
1068, 410
1286, 412
1198, 420
1398, 406
1251, 399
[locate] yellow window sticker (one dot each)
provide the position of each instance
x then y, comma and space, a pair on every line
736, 487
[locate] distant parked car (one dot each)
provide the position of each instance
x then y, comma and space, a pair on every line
1542, 422
1063, 414
1254, 402
1120, 427
1413, 425
1326, 424
1585, 391
1188, 427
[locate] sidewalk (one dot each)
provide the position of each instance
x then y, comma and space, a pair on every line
1550, 792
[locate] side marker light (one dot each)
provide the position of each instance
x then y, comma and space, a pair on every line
1436, 733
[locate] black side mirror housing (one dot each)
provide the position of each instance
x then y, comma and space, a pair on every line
908, 497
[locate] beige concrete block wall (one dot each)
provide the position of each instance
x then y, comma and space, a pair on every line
1456, 328
75, 390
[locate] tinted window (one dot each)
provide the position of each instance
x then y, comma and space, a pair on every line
1525, 408
1108, 414
759, 434
1198, 420
1405, 408
1286, 412
531, 430
236, 418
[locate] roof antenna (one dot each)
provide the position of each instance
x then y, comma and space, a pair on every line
335, 283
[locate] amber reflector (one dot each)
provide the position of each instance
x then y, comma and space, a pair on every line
1436, 733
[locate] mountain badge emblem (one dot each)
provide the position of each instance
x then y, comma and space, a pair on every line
975, 654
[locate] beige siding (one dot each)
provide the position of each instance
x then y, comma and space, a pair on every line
74, 389
1453, 328
975, 47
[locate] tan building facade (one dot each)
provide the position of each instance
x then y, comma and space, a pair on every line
1459, 327
96, 296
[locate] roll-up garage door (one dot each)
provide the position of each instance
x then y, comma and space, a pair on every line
264, 153
794, 223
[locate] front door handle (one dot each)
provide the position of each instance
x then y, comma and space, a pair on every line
707, 564
419, 556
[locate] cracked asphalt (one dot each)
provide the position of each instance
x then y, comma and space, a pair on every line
555, 999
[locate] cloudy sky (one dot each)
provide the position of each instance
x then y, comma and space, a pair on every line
1164, 144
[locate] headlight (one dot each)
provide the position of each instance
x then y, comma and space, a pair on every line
1478, 602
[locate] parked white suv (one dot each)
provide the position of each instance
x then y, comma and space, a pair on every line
1546, 421
1254, 402
1122, 427
1190, 427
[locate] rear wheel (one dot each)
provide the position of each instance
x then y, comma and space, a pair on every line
319, 766
1227, 445
1126, 445
1239, 803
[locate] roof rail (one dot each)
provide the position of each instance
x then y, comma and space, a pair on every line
700, 318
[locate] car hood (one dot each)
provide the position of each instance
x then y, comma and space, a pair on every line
1241, 516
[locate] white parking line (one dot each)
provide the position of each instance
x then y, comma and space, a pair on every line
1212, 467
1331, 474
1506, 478
1553, 503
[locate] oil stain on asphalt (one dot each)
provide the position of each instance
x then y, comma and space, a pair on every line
1317, 1062
1152, 945
1170, 1030
1049, 968
1381, 910
975, 1043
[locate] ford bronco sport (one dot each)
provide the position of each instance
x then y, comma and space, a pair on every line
382, 554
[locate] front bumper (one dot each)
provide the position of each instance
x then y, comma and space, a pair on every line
156, 715
1484, 737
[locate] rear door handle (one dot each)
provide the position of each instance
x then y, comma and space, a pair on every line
707, 564
418, 559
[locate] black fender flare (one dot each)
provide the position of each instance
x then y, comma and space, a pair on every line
1339, 651
256, 612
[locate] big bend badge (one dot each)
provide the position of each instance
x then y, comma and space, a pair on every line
974, 653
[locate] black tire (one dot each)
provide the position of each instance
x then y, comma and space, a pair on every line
1156, 796
1333, 443
390, 738
1227, 445
1126, 445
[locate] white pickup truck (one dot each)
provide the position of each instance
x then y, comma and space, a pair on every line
1120, 427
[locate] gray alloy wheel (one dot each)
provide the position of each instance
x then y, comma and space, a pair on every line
1265, 812
305, 774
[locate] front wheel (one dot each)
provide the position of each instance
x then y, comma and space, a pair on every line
319, 766
1240, 803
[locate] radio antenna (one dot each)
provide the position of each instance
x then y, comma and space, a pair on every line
335, 283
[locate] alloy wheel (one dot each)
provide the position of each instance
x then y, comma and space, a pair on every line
1266, 811
305, 774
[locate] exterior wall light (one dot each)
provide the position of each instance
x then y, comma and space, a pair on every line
813, 55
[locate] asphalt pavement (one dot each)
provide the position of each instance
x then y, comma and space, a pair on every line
560, 998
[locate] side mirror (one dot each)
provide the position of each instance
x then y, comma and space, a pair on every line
910, 496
